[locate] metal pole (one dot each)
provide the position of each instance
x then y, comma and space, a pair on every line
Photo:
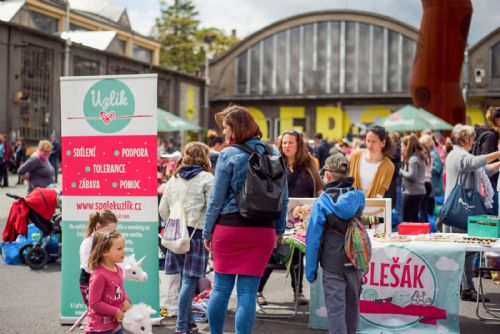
465, 73
68, 40
207, 78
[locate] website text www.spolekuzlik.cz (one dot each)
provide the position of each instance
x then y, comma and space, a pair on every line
109, 205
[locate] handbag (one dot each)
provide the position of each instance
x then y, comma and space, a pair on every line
461, 204
176, 237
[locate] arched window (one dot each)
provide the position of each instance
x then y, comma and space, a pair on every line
327, 58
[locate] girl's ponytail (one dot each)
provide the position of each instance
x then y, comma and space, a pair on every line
104, 218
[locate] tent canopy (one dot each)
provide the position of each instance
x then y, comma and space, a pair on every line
168, 122
410, 118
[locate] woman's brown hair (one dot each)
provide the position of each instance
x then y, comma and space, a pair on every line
104, 218
491, 115
241, 122
413, 146
302, 158
194, 153
389, 149
103, 240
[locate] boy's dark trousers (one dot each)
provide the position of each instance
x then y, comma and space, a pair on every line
342, 292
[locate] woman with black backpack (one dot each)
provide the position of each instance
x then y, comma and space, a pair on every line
241, 247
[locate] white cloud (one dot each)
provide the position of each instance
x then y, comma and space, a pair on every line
142, 21
322, 312
447, 264
442, 329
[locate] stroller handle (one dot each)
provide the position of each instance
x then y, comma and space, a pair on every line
13, 196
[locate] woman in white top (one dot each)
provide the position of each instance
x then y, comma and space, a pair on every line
192, 183
372, 168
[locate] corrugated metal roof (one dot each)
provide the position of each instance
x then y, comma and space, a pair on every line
103, 8
8, 9
95, 39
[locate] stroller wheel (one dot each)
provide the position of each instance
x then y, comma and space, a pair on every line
36, 258
23, 251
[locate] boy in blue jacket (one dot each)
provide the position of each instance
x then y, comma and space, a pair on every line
328, 222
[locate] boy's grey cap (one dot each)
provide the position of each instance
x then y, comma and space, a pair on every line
337, 163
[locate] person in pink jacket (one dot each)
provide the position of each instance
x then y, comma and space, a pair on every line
108, 300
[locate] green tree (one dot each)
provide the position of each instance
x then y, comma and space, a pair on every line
176, 30
183, 44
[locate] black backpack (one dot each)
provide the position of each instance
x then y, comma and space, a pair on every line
261, 197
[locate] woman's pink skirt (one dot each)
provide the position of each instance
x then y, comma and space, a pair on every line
242, 250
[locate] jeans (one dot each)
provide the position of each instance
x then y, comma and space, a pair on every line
184, 305
246, 289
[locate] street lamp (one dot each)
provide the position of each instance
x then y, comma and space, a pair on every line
208, 38
68, 40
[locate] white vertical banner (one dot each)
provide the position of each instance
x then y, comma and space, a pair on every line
109, 131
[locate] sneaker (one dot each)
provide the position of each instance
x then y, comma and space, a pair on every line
261, 300
471, 296
302, 299
192, 329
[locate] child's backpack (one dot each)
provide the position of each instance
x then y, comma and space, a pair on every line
261, 197
358, 247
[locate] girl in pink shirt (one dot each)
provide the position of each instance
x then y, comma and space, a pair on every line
97, 220
108, 300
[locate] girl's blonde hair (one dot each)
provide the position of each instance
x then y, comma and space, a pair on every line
194, 153
103, 240
104, 217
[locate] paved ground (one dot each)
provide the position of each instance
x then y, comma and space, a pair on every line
30, 299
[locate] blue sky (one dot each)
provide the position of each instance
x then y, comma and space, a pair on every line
248, 16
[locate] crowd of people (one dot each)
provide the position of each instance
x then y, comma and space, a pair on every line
417, 171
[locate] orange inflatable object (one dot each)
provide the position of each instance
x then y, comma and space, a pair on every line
435, 82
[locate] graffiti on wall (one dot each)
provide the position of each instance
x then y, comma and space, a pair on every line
190, 102
333, 122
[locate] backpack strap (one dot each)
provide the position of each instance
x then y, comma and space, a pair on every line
247, 149
244, 147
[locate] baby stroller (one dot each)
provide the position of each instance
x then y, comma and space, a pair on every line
39, 208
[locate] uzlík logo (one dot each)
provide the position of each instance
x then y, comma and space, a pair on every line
109, 105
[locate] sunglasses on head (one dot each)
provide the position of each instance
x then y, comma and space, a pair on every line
292, 132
